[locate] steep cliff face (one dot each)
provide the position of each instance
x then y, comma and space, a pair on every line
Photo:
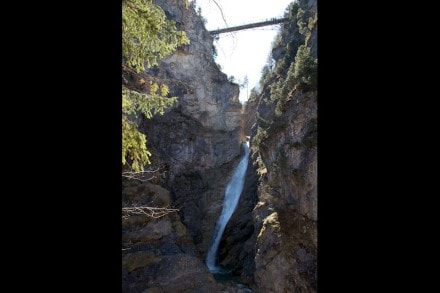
284, 153
197, 142
195, 146
286, 246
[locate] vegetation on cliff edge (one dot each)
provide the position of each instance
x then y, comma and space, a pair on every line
294, 70
147, 36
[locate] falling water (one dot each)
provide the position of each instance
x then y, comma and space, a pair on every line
232, 194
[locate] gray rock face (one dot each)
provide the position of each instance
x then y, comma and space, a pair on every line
159, 254
197, 142
285, 216
204, 92
273, 243
195, 146
286, 246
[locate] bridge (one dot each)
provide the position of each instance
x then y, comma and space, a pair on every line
248, 26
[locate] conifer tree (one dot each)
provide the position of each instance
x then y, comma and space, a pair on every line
147, 36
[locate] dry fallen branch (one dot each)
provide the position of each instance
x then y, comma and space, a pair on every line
152, 212
140, 176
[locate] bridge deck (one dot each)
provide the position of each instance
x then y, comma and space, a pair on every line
248, 26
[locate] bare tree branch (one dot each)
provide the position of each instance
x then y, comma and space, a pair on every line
152, 212
140, 176
221, 11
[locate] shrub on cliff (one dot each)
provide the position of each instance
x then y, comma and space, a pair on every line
305, 69
302, 75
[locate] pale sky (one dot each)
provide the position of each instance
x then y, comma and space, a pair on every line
243, 53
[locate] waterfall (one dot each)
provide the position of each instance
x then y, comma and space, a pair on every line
232, 194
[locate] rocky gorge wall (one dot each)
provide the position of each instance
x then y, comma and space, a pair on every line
195, 146
197, 142
285, 216
277, 251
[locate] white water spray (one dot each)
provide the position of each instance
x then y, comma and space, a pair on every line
232, 195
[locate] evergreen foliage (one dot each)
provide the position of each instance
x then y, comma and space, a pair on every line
147, 36
305, 69
295, 69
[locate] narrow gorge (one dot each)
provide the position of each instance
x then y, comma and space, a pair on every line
268, 241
